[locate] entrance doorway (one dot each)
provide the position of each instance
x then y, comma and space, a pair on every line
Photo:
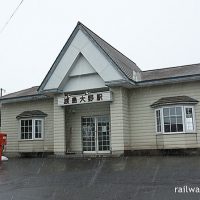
96, 134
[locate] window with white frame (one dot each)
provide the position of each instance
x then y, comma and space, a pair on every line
158, 121
31, 129
175, 119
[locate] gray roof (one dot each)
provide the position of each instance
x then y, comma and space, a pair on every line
22, 93
171, 72
174, 100
125, 64
32, 113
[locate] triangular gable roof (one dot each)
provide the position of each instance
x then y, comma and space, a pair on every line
84, 68
124, 64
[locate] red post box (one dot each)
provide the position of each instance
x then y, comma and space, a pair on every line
3, 142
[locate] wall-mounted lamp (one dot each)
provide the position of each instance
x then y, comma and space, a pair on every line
68, 95
86, 92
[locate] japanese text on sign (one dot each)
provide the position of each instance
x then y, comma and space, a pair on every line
85, 98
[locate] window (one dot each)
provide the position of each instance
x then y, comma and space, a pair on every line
158, 121
26, 129
189, 119
38, 128
31, 129
175, 119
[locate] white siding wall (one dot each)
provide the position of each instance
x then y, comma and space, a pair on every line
84, 82
142, 117
10, 125
59, 128
119, 120
179, 141
132, 121
125, 114
73, 121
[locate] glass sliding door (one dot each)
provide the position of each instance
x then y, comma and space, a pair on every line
96, 134
103, 127
89, 134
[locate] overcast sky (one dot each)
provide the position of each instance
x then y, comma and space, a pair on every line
152, 33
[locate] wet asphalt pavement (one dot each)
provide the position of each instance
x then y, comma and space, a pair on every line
82, 179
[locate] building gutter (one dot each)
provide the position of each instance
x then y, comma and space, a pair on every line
51, 91
120, 83
46, 94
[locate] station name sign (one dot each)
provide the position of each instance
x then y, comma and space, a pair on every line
68, 99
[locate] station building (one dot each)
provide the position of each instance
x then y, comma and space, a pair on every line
96, 101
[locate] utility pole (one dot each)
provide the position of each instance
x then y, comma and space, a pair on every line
2, 91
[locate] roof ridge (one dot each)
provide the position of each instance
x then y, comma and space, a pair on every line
171, 67
85, 27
